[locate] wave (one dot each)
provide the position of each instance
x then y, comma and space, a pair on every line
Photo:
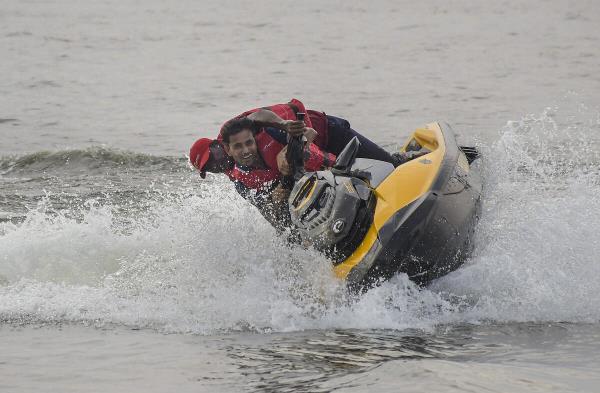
91, 159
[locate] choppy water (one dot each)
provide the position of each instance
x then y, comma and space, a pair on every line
121, 269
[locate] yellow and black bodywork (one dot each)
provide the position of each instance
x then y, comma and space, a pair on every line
374, 220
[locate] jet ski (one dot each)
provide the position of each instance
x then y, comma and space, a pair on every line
374, 220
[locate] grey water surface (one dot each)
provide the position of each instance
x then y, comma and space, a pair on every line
122, 270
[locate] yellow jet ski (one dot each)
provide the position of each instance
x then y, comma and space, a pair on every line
375, 220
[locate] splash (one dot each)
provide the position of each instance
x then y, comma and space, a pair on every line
537, 255
191, 262
195, 257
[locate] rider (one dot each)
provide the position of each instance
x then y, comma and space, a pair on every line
332, 133
329, 133
258, 168
256, 172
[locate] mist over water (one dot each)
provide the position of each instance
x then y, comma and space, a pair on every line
192, 256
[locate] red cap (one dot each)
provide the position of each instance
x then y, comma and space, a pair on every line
200, 153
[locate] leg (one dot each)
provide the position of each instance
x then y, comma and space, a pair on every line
340, 134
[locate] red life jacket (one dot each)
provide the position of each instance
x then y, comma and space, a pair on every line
255, 179
314, 119
285, 111
268, 147
319, 124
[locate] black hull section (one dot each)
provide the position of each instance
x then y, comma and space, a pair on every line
431, 236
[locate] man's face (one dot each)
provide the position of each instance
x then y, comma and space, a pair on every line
242, 148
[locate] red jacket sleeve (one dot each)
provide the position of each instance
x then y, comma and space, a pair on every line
315, 159
301, 108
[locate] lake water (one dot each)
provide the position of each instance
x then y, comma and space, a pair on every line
122, 270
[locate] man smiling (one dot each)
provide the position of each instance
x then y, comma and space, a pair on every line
256, 172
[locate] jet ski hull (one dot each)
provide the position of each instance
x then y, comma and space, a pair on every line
374, 220
430, 235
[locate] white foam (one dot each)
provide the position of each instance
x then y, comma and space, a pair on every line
202, 259
537, 255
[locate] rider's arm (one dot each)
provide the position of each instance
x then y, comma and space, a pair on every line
261, 118
266, 118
